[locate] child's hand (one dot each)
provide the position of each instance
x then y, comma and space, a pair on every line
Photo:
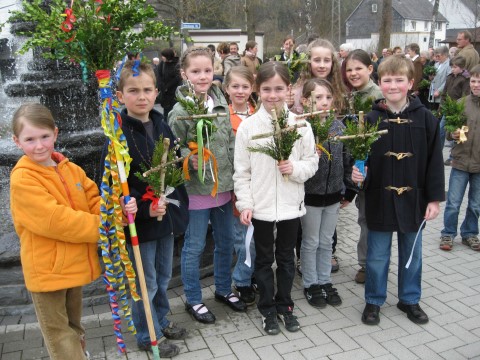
246, 217
433, 209
456, 134
357, 176
130, 207
160, 209
285, 167
290, 99
194, 161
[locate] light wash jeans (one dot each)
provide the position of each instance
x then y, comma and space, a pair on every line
456, 190
318, 226
59, 315
362, 221
378, 261
221, 218
242, 274
157, 259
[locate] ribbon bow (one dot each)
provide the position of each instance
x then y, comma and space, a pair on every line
150, 195
203, 155
67, 25
463, 137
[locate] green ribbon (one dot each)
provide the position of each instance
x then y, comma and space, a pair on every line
200, 149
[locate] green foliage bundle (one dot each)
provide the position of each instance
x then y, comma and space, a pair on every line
195, 105
295, 65
430, 70
281, 146
173, 173
94, 33
321, 126
359, 146
362, 105
424, 84
454, 112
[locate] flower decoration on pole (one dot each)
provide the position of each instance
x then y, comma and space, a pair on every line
95, 34
197, 110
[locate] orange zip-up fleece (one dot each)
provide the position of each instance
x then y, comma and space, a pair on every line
55, 210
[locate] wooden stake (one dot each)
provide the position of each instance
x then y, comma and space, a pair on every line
346, 137
166, 147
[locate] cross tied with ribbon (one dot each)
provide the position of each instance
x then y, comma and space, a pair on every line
199, 112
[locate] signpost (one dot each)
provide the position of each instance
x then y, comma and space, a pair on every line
190, 26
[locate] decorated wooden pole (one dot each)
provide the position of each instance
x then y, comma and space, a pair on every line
166, 146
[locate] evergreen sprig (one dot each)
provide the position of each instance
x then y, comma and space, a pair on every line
281, 146
454, 112
321, 126
424, 84
429, 70
362, 105
295, 65
173, 173
359, 147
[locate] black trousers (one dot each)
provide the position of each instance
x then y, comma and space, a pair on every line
280, 249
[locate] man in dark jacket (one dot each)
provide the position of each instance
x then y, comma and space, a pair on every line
168, 79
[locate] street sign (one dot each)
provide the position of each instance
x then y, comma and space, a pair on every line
190, 26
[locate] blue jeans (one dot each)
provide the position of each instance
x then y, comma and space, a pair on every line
442, 131
221, 218
378, 261
318, 226
157, 259
456, 190
242, 274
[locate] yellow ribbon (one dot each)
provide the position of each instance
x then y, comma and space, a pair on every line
322, 149
463, 137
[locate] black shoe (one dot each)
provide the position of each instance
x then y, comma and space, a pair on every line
371, 314
335, 265
206, 318
254, 285
245, 293
315, 296
270, 324
166, 349
332, 297
290, 321
228, 299
174, 332
414, 313
299, 267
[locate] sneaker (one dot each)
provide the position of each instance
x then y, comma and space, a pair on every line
290, 321
473, 242
315, 296
270, 324
299, 267
245, 293
360, 277
87, 355
174, 332
448, 162
332, 297
446, 243
335, 265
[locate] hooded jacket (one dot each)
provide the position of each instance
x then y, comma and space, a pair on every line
457, 86
333, 175
141, 148
168, 79
466, 156
222, 143
55, 211
259, 185
421, 172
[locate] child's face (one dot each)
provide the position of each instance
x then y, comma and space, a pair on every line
288, 45
200, 73
321, 62
37, 143
456, 70
395, 89
323, 99
475, 85
273, 93
358, 74
138, 95
239, 90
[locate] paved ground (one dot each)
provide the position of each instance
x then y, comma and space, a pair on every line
451, 297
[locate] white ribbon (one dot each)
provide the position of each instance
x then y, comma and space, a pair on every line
248, 241
414, 243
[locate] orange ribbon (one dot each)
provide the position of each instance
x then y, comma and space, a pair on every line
193, 146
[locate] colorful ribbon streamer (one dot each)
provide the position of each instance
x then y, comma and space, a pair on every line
206, 154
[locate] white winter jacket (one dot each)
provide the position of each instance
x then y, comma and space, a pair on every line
258, 183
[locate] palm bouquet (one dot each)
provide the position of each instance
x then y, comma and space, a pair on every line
454, 112
284, 138
164, 174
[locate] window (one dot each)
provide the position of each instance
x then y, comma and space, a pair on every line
425, 28
374, 8
414, 25
438, 26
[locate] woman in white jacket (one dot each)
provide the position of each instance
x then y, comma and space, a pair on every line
268, 201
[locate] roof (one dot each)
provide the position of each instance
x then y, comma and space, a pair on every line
411, 9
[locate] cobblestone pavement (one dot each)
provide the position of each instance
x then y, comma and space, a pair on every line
451, 298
